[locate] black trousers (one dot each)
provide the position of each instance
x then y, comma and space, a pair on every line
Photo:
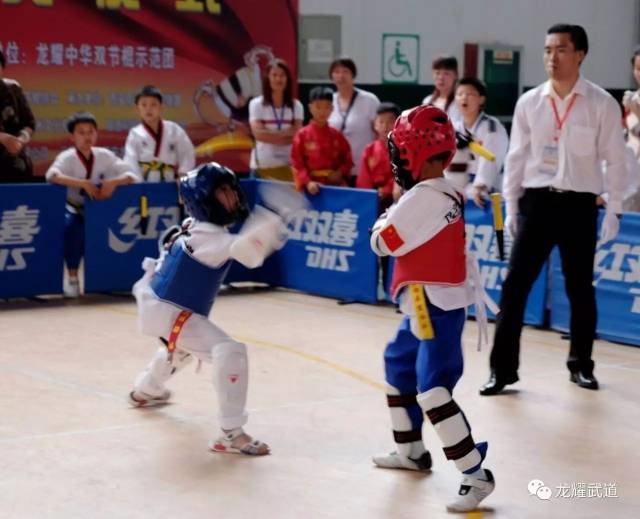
548, 218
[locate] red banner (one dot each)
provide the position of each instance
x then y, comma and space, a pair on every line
206, 56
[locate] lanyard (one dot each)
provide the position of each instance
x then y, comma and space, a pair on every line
561, 120
346, 114
279, 120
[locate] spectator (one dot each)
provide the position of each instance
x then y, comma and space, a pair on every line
17, 125
470, 97
375, 167
275, 117
353, 110
86, 170
444, 70
157, 150
631, 103
562, 131
320, 155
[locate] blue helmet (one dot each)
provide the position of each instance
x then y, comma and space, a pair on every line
198, 187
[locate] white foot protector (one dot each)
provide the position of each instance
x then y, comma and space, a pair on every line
227, 444
472, 492
140, 399
397, 461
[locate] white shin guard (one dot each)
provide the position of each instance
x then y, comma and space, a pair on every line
408, 440
151, 381
231, 379
451, 427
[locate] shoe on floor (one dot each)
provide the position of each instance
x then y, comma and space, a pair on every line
496, 384
72, 288
472, 492
396, 461
585, 380
140, 399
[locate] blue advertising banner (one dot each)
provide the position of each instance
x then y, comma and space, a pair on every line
328, 251
115, 241
31, 238
481, 240
617, 281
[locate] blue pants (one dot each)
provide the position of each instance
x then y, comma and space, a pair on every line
412, 365
73, 239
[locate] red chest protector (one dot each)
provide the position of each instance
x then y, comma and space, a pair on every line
439, 261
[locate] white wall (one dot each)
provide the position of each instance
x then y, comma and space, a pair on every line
444, 26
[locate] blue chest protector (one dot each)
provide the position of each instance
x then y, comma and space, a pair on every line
185, 282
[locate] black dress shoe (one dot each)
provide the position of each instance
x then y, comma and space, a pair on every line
587, 381
496, 384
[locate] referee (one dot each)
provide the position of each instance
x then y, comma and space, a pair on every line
562, 131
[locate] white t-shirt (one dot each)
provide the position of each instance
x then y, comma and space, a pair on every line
106, 165
265, 154
358, 123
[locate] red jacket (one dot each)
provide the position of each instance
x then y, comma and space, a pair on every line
375, 169
317, 150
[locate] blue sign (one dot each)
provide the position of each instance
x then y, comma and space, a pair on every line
481, 240
116, 242
617, 281
31, 239
328, 251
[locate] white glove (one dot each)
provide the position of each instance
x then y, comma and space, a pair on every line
610, 227
263, 233
511, 225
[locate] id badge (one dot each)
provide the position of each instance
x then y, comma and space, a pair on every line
549, 159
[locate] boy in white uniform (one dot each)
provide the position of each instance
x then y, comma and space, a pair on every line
158, 150
86, 170
177, 291
486, 131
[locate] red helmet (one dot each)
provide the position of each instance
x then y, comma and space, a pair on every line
418, 135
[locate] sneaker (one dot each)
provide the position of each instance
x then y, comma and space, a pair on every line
72, 288
472, 492
140, 399
396, 461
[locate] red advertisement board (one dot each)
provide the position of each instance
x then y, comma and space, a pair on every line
205, 55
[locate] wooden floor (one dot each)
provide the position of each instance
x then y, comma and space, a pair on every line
70, 446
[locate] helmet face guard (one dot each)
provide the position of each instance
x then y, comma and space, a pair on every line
198, 190
418, 135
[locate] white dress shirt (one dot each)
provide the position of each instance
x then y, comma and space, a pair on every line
592, 133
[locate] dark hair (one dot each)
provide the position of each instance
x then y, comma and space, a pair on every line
266, 86
344, 62
2, 60
149, 91
446, 63
320, 93
81, 117
636, 53
475, 83
576, 33
388, 108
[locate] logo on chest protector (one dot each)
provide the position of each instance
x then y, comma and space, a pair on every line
233, 378
453, 214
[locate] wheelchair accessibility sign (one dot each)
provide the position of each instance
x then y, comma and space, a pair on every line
400, 58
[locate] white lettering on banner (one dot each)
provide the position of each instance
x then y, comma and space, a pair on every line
621, 263
339, 229
159, 219
17, 227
